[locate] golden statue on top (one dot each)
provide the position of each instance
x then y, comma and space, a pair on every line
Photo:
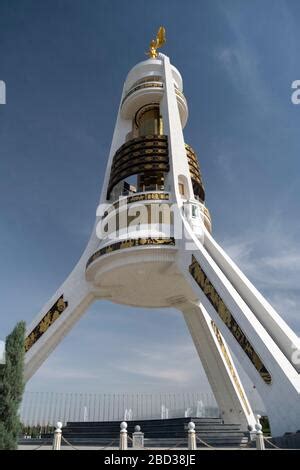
156, 43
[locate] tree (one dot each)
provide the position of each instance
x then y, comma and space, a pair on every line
12, 387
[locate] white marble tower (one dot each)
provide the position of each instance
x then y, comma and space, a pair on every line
152, 247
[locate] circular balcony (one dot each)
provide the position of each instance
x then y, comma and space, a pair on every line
130, 216
141, 94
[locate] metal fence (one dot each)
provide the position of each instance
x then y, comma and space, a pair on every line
46, 408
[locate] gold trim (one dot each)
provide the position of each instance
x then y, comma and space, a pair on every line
143, 158
155, 166
150, 153
130, 244
140, 87
148, 196
179, 93
195, 172
230, 365
137, 156
48, 319
139, 197
212, 295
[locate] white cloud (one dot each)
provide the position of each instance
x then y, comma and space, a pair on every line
176, 375
279, 269
176, 364
242, 67
243, 60
289, 260
55, 372
270, 258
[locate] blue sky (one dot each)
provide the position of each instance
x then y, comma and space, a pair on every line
64, 63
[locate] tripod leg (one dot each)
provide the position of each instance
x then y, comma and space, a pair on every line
56, 318
258, 350
218, 365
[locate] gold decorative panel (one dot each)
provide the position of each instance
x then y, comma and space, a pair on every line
130, 244
195, 173
230, 365
137, 198
214, 298
144, 197
146, 154
51, 316
149, 155
148, 196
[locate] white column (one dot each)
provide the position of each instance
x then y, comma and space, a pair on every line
260, 443
192, 445
219, 367
137, 438
123, 436
173, 128
57, 436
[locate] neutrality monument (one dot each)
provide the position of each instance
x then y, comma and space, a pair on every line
152, 246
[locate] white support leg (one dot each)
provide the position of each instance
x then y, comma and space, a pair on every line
59, 314
79, 298
284, 336
219, 368
258, 352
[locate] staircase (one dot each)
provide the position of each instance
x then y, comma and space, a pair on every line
158, 432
